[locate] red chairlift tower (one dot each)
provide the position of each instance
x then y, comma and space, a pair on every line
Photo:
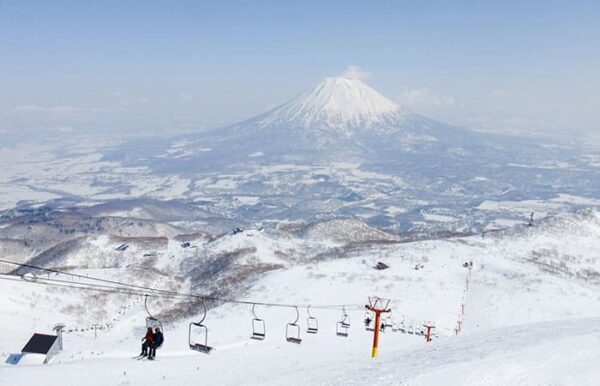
378, 306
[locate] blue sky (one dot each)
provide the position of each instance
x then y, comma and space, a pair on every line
155, 66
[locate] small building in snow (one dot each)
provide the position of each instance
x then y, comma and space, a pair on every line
381, 266
47, 345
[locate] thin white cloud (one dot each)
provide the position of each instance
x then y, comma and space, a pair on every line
509, 124
355, 72
500, 93
55, 111
423, 97
185, 97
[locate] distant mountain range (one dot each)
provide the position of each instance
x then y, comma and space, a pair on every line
343, 149
337, 118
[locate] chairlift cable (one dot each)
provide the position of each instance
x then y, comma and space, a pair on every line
88, 288
165, 293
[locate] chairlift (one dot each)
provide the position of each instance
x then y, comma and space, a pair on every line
151, 321
368, 320
30, 277
259, 329
419, 330
341, 327
200, 345
394, 325
312, 324
388, 320
292, 330
402, 325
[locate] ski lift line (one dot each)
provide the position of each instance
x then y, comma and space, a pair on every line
167, 291
111, 292
84, 277
126, 291
72, 284
283, 305
120, 291
156, 291
94, 286
73, 287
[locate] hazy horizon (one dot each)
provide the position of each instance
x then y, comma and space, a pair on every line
157, 69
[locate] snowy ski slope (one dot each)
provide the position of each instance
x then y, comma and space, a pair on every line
532, 316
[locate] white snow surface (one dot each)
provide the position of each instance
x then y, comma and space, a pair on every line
336, 103
532, 317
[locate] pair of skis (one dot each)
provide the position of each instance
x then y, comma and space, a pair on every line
141, 357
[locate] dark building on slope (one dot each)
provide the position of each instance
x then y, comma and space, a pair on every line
48, 345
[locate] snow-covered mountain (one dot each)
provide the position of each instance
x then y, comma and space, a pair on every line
339, 118
343, 149
337, 104
340, 149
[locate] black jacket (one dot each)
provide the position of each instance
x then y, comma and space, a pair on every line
158, 338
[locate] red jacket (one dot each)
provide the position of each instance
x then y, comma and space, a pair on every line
149, 337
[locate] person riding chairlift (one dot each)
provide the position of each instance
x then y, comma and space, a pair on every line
147, 342
156, 343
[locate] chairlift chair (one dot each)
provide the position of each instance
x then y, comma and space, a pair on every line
402, 327
259, 329
200, 345
390, 321
312, 324
30, 277
416, 327
292, 330
151, 321
341, 327
368, 321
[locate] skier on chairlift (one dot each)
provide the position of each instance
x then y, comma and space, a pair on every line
156, 343
147, 342
367, 321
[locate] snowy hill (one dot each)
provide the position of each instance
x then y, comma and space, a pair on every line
345, 230
519, 320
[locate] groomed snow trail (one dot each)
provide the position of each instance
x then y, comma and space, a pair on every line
559, 353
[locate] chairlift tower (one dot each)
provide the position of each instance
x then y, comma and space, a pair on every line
378, 306
531, 219
429, 327
59, 329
